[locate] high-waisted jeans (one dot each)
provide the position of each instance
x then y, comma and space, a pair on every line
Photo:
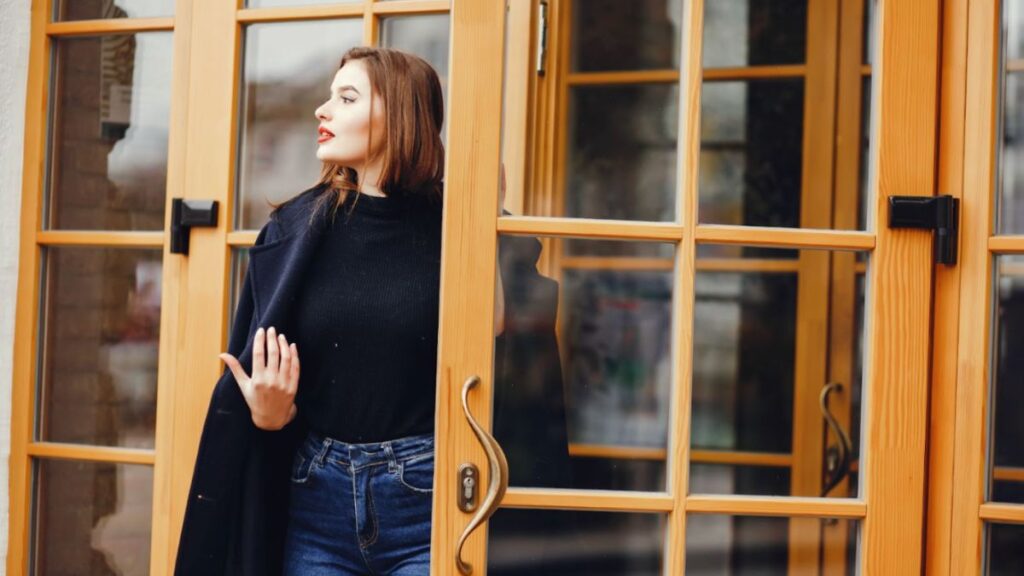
360, 509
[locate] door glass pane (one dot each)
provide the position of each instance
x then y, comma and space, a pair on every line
1007, 460
426, 36
108, 153
739, 545
746, 382
1005, 554
616, 35
621, 152
754, 32
104, 9
1011, 145
601, 420
91, 518
101, 327
287, 73
751, 152
572, 543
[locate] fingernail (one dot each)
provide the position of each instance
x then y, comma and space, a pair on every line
259, 330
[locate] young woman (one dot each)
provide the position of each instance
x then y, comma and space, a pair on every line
317, 454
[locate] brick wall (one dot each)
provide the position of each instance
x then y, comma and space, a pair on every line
14, 31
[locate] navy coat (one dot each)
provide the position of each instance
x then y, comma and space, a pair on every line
236, 515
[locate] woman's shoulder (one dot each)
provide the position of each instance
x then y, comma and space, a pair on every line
292, 215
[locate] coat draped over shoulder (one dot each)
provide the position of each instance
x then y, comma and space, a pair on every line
236, 515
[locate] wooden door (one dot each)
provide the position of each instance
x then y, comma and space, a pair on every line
656, 261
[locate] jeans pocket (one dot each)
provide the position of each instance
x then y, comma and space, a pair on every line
304, 461
417, 473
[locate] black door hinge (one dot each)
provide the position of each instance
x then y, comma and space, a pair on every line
186, 215
938, 213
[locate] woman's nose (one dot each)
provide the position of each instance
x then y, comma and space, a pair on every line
319, 113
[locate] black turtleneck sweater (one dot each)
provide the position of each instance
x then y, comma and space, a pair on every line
366, 321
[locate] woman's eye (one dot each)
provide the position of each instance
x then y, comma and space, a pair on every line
347, 100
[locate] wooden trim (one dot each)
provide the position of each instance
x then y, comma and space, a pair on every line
26, 329
683, 303
397, 7
1003, 513
785, 237
1006, 244
1014, 65
606, 500
776, 506
759, 265
625, 77
942, 420
810, 363
843, 335
898, 332
520, 58
206, 170
741, 458
91, 453
242, 239
113, 26
975, 314
1008, 474
371, 26
755, 72
469, 234
100, 238
590, 228
329, 11
168, 464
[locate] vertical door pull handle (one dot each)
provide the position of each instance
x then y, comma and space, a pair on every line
837, 458
498, 483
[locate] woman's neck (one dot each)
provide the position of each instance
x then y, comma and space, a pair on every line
369, 180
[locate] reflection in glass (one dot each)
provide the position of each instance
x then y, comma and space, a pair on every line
570, 543
425, 36
101, 330
1008, 426
754, 32
751, 152
1005, 554
92, 519
108, 159
106, 9
738, 545
621, 157
744, 376
288, 72
606, 401
615, 35
1011, 157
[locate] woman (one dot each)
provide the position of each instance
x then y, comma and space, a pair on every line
324, 465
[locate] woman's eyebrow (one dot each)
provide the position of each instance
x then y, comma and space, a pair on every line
347, 87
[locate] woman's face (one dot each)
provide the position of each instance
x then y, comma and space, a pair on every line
343, 136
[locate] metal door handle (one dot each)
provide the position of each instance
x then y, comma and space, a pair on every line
837, 467
498, 482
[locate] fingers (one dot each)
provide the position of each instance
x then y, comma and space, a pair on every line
273, 353
293, 377
286, 361
236, 369
259, 362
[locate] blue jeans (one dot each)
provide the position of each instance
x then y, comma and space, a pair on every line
360, 509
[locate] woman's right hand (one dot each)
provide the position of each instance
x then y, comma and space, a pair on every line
270, 392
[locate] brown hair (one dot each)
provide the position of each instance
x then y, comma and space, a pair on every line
413, 154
